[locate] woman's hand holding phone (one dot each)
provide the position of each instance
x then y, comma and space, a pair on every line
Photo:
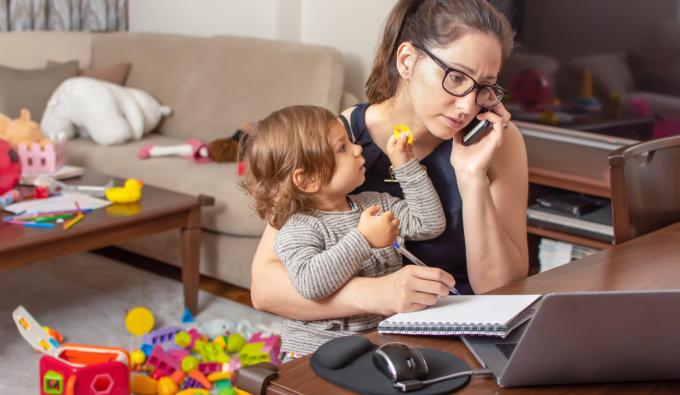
474, 157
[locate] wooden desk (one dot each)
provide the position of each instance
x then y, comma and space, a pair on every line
649, 262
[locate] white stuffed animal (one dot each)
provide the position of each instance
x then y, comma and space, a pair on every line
108, 113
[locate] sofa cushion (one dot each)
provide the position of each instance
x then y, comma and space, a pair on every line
30, 50
231, 213
115, 74
31, 89
163, 64
214, 84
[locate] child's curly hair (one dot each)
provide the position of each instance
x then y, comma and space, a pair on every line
292, 138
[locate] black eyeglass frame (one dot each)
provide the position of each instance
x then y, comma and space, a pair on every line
476, 85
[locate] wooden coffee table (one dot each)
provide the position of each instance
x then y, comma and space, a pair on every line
158, 211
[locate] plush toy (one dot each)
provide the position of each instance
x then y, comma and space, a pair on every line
4, 121
108, 113
10, 167
220, 150
24, 130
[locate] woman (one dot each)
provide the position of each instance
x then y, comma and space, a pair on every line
435, 70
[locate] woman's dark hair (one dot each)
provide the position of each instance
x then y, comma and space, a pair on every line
431, 23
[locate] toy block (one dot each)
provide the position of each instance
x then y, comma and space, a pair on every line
187, 317
161, 336
209, 367
146, 349
252, 353
163, 361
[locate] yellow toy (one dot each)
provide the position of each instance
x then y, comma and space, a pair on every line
22, 130
130, 193
4, 121
402, 128
139, 321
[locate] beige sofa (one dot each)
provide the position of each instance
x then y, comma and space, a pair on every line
212, 85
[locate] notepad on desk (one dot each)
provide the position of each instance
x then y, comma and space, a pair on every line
488, 315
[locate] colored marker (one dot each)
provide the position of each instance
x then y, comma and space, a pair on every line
70, 223
44, 225
24, 216
51, 218
403, 251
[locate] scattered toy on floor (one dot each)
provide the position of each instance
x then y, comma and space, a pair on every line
139, 321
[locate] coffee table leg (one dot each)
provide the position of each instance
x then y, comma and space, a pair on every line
191, 258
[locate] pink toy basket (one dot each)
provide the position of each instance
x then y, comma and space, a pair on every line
36, 159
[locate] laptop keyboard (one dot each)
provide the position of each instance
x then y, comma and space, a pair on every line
506, 348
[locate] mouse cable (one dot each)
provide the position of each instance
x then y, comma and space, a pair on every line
411, 385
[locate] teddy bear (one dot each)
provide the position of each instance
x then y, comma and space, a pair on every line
107, 113
22, 130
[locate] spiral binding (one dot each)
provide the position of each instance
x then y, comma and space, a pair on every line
442, 328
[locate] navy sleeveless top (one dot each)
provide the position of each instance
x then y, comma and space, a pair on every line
446, 251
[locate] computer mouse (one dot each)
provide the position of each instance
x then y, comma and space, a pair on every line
400, 362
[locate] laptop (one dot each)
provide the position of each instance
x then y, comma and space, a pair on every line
588, 337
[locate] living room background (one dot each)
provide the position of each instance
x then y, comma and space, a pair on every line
351, 26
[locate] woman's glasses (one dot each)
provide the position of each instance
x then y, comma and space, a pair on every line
458, 83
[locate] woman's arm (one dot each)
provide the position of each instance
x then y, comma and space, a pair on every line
494, 214
411, 288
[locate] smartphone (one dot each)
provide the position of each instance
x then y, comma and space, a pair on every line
475, 131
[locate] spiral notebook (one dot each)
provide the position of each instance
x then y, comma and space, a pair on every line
487, 315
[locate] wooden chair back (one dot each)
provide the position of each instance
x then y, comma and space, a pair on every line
645, 181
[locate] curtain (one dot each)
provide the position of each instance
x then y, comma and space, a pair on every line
65, 15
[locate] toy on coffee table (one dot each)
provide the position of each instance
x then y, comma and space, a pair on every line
38, 154
131, 192
74, 369
10, 167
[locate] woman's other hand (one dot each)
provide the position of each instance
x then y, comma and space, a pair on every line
411, 288
475, 159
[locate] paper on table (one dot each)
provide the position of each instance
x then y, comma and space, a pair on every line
58, 203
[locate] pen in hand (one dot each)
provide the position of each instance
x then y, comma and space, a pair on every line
403, 251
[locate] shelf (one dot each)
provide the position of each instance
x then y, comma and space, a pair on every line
569, 238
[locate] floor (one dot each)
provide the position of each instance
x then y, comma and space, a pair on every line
214, 286
87, 296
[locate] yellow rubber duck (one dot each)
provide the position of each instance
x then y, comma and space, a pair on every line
130, 193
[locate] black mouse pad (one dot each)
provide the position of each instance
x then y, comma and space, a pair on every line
347, 362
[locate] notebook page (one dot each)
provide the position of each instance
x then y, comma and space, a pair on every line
470, 309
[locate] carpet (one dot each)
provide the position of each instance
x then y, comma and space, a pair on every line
86, 297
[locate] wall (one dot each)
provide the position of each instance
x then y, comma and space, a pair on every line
351, 26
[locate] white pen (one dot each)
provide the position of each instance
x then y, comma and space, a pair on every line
403, 251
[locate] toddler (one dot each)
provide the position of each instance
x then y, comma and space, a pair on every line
300, 168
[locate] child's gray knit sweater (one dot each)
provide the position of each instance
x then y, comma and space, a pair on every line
322, 250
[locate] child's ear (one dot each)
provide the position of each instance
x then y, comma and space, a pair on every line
304, 183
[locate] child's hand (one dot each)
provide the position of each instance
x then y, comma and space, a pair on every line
379, 230
398, 150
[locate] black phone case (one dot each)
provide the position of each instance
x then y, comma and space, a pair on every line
476, 131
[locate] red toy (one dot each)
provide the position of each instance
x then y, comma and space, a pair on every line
73, 369
530, 88
10, 167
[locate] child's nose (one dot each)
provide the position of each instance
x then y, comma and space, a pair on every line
357, 149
